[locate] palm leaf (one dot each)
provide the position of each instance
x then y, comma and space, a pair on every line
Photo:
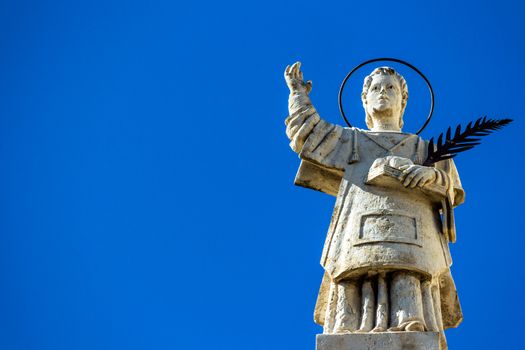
461, 141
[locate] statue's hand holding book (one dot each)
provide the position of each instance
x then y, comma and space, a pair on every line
416, 175
397, 172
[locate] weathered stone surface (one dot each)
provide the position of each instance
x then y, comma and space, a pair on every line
379, 341
386, 256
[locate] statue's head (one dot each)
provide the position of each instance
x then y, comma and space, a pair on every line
384, 97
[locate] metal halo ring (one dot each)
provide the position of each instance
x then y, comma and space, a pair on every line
391, 60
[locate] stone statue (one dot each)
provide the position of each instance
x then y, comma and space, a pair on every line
386, 256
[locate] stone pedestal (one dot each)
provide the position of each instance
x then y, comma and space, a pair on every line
379, 341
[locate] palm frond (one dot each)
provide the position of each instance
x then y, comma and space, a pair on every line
461, 141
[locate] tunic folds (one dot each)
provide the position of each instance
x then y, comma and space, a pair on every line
377, 228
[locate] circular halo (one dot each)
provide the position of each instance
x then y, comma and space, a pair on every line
391, 60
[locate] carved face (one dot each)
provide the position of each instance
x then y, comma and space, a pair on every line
384, 96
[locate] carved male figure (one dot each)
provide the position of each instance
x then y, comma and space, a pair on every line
386, 255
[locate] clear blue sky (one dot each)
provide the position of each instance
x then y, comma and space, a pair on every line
146, 184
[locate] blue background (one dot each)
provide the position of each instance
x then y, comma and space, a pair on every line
146, 183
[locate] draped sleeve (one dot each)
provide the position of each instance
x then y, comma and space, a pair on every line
324, 148
455, 189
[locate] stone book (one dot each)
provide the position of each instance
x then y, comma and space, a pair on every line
388, 176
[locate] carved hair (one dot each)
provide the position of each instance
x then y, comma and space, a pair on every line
402, 84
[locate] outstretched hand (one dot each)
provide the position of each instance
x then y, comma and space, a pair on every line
294, 79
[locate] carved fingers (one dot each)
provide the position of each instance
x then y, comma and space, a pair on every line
416, 175
290, 74
293, 75
422, 178
294, 78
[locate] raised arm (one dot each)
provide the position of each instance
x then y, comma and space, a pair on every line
311, 137
303, 117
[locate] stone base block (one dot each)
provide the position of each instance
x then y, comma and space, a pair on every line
379, 341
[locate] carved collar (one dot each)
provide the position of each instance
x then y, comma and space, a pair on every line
388, 143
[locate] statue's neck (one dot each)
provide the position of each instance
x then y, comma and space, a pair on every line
389, 124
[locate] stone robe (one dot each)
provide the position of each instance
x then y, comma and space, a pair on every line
377, 228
